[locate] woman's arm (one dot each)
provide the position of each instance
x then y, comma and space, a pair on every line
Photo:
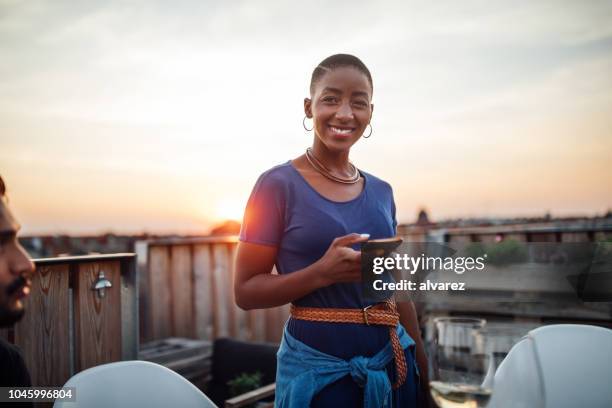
255, 287
410, 321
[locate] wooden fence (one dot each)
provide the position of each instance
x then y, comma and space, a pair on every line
186, 290
69, 326
528, 232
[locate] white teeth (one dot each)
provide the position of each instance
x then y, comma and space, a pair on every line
341, 131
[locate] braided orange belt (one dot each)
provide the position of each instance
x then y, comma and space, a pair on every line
384, 314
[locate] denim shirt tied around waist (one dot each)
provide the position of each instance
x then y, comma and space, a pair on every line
303, 372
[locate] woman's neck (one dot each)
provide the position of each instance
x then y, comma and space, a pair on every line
338, 161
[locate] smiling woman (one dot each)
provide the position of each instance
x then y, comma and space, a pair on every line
341, 106
308, 217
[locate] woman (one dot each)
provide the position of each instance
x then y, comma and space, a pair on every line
307, 217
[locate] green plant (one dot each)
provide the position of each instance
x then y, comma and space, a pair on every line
244, 382
475, 249
506, 252
499, 253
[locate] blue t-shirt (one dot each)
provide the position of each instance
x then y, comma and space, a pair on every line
285, 211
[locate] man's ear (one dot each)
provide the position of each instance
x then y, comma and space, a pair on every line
308, 107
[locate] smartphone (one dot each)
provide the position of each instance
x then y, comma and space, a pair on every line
382, 246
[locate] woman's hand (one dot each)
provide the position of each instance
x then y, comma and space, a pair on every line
256, 287
341, 263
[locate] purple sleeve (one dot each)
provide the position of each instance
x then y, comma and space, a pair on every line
264, 216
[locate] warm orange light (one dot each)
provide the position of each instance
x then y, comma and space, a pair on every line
228, 209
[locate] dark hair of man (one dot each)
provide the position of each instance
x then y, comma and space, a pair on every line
2, 187
337, 61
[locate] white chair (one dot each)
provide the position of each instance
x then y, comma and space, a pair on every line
557, 366
133, 384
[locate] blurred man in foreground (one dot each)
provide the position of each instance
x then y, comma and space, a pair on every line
15, 272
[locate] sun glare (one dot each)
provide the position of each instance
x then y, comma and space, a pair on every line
229, 210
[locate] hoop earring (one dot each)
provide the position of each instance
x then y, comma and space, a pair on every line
304, 124
369, 134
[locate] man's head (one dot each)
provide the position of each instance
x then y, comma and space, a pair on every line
15, 266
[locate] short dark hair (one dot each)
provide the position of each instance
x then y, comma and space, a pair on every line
2, 187
336, 61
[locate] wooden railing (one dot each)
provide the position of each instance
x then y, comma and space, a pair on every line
186, 291
562, 231
69, 326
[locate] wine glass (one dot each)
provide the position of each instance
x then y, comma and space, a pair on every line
461, 366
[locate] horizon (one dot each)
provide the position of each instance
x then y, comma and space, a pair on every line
208, 232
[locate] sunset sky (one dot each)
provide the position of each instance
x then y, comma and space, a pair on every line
159, 116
